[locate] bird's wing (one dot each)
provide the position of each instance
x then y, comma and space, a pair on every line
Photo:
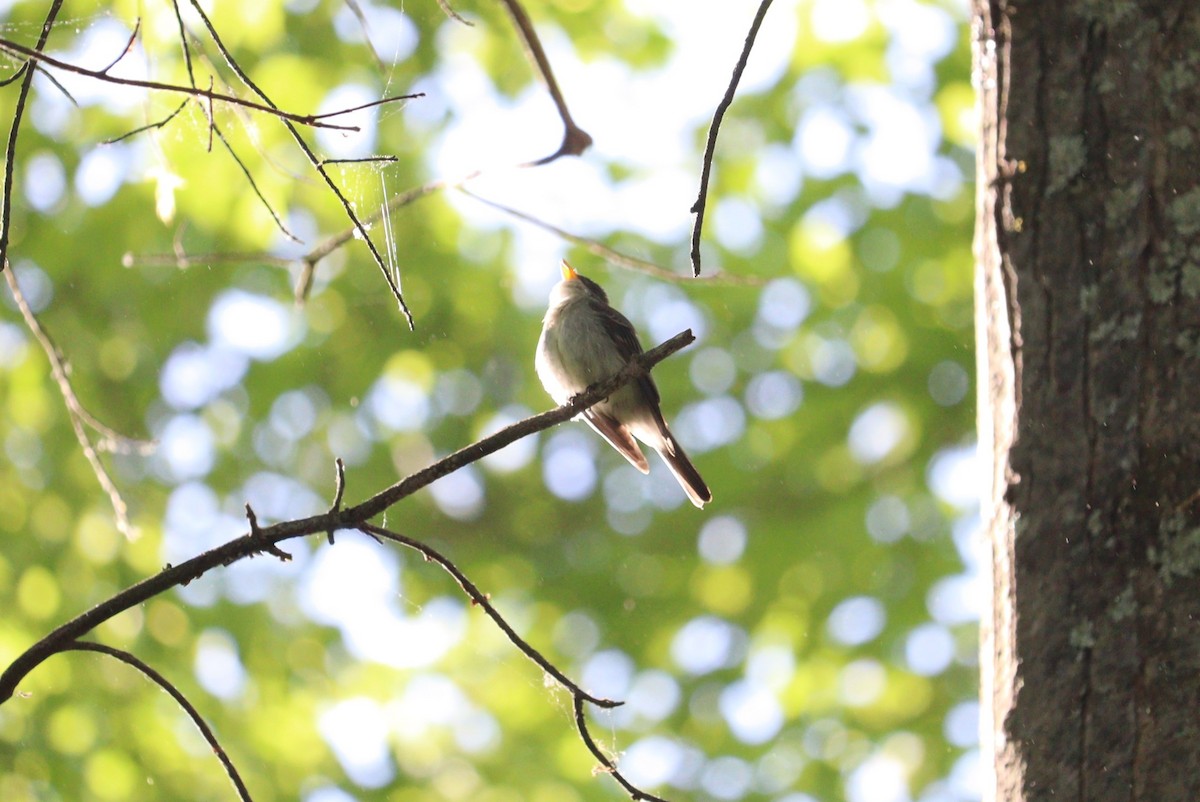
618, 437
624, 337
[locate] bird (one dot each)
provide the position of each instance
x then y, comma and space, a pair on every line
585, 340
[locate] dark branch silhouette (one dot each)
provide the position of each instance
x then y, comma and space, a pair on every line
609, 765
613, 257
10, 151
575, 139
260, 540
711, 146
480, 599
264, 540
314, 161
192, 713
208, 94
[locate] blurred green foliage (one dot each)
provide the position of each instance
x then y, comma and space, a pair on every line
823, 433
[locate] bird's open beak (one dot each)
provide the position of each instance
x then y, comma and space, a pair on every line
568, 272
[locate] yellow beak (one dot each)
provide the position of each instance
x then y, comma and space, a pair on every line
568, 272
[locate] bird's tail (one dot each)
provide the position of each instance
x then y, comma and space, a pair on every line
685, 472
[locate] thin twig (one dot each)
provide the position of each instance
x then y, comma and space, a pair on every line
185, 261
711, 146
575, 139
16, 76
187, 51
76, 414
357, 11
613, 257
287, 116
10, 152
363, 160
480, 599
310, 260
610, 766
260, 540
338, 492
137, 28
313, 160
383, 101
149, 126
57, 85
192, 713
452, 14
253, 184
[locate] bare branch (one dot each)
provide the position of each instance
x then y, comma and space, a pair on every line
309, 260
338, 492
452, 14
575, 139
192, 713
275, 111
137, 28
184, 261
57, 85
480, 599
357, 11
363, 160
250, 180
313, 160
148, 127
183, 43
10, 152
609, 765
75, 411
16, 76
383, 101
613, 257
262, 539
702, 200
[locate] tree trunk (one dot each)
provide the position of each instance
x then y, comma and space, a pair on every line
1088, 324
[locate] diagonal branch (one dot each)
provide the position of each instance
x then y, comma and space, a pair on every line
262, 539
313, 160
80, 418
613, 257
311, 120
162, 682
481, 599
575, 139
711, 146
10, 151
610, 766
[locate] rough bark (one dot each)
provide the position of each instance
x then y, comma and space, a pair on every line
1088, 299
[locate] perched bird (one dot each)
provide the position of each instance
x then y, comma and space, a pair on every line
584, 340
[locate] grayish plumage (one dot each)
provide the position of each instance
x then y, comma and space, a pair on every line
585, 340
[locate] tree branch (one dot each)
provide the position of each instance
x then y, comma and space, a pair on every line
613, 257
575, 139
480, 599
78, 416
264, 539
311, 120
192, 713
10, 151
610, 766
711, 146
314, 161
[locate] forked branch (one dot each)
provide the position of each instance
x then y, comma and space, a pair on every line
263, 539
